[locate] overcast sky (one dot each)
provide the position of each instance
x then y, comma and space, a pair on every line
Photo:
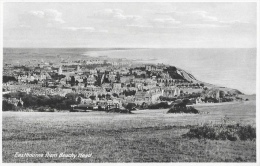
150, 24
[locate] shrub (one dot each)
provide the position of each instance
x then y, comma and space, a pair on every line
130, 106
222, 132
183, 110
246, 132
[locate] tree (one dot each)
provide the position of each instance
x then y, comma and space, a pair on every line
71, 96
19, 104
30, 101
8, 78
130, 106
92, 97
79, 100
77, 82
43, 100
72, 82
221, 94
7, 106
115, 95
108, 96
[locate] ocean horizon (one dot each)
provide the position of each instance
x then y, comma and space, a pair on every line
227, 67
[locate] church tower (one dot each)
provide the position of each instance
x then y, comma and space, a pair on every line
78, 69
60, 70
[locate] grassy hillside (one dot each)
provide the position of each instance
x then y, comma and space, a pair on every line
144, 136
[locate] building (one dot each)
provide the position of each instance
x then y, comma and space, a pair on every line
171, 92
60, 70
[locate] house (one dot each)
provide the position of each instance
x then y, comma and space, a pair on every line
84, 101
130, 99
15, 101
155, 93
126, 79
150, 67
112, 77
117, 85
140, 96
91, 80
198, 100
107, 87
139, 86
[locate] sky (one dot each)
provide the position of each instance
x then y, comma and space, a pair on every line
137, 24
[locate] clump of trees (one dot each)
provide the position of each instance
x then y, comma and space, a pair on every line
103, 97
210, 100
227, 99
129, 92
161, 105
129, 106
172, 70
187, 110
9, 78
35, 102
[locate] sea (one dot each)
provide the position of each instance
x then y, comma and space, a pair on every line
226, 67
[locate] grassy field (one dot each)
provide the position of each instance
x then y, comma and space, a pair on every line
144, 136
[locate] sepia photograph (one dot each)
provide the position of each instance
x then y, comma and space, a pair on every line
129, 82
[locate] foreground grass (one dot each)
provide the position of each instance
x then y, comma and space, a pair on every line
134, 145
146, 136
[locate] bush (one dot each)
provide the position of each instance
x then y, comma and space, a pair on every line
222, 132
183, 110
129, 106
246, 132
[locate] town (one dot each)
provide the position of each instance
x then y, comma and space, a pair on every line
101, 84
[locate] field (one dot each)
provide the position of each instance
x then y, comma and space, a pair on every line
144, 136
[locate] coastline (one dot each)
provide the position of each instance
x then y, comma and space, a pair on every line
201, 65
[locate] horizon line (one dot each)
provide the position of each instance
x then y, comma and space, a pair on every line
147, 47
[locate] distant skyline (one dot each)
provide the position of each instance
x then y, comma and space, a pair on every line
130, 24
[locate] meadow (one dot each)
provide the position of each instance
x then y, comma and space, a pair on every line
144, 136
